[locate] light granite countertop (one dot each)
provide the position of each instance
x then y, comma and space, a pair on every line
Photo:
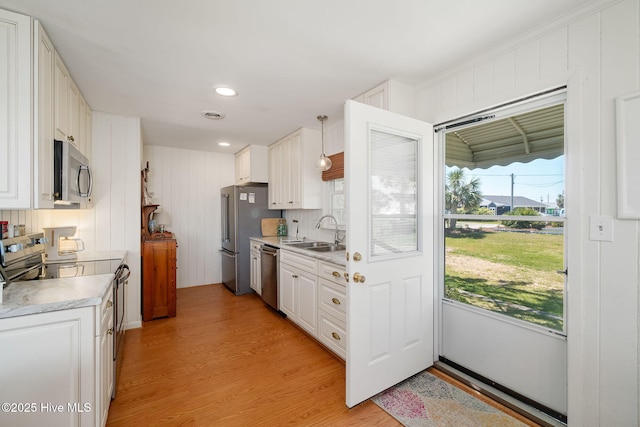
337, 257
41, 296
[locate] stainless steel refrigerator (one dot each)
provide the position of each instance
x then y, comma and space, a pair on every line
242, 209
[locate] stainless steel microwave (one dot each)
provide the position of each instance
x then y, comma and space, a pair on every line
72, 175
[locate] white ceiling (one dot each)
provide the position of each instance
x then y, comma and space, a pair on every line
290, 60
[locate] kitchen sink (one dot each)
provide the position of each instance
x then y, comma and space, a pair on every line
311, 245
327, 248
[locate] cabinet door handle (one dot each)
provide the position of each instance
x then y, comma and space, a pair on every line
336, 301
109, 304
335, 336
294, 276
110, 331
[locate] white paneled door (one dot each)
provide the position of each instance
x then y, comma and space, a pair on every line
390, 184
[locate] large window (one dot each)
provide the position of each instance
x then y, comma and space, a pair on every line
504, 215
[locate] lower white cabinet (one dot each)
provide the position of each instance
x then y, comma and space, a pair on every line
255, 278
55, 368
298, 290
104, 359
313, 295
332, 307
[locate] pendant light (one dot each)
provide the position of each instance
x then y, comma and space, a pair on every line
323, 163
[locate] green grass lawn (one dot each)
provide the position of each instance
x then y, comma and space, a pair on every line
507, 272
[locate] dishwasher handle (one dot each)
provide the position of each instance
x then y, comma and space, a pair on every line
270, 250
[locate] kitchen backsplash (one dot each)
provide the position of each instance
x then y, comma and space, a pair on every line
307, 220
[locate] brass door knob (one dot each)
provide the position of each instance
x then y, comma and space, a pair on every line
358, 278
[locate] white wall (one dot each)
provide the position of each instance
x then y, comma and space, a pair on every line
115, 158
186, 184
596, 53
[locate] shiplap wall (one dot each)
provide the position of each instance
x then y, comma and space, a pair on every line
596, 53
186, 184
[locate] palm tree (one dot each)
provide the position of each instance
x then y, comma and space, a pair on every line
461, 196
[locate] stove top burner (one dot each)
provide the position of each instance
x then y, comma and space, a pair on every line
79, 268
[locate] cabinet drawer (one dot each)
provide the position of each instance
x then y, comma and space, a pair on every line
332, 272
300, 261
332, 298
255, 246
332, 333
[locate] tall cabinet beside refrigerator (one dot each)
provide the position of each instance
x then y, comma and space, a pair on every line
242, 209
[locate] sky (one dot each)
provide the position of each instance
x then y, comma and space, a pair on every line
539, 180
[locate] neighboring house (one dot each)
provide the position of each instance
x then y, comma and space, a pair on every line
502, 204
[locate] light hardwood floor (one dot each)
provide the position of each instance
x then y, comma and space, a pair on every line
228, 360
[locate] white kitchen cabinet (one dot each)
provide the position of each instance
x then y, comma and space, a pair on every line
295, 181
51, 363
86, 117
255, 278
252, 165
332, 304
39, 85
313, 294
392, 96
62, 78
276, 190
71, 119
15, 113
298, 290
104, 358
44, 90
59, 365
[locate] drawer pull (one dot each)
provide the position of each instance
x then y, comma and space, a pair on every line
109, 304
336, 274
336, 301
335, 336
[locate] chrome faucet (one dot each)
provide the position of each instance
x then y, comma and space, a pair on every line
336, 240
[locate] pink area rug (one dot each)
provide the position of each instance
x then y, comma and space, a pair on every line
426, 400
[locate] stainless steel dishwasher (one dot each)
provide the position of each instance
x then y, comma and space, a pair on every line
269, 260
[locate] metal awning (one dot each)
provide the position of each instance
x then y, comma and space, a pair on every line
522, 138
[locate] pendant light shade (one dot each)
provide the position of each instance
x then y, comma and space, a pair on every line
323, 163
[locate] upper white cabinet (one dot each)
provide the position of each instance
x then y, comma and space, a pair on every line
294, 181
392, 96
15, 110
71, 119
44, 91
252, 165
42, 104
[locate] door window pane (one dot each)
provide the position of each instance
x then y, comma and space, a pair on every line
504, 216
393, 189
514, 272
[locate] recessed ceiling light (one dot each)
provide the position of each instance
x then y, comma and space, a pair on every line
225, 91
212, 114
223, 144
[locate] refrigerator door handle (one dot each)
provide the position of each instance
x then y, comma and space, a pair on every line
225, 218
